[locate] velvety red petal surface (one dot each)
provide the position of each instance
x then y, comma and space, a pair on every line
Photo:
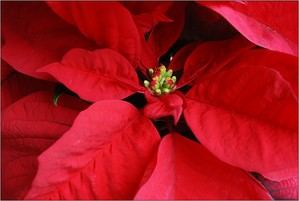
109, 24
160, 38
247, 116
167, 105
212, 57
181, 56
148, 13
273, 25
186, 170
17, 85
101, 74
29, 126
34, 36
286, 65
103, 156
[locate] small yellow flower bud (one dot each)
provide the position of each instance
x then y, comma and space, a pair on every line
162, 69
158, 91
166, 90
151, 71
169, 73
146, 83
161, 81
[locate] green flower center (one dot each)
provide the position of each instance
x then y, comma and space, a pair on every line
161, 81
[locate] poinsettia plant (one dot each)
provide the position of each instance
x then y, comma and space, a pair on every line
149, 100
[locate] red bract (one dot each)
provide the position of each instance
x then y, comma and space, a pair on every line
103, 23
183, 165
274, 31
247, 114
104, 71
74, 165
15, 86
211, 57
239, 100
29, 127
111, 25
27, 46
167, 105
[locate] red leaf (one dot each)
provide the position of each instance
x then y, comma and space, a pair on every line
148, 14
101, 74
167, 105
181, 56
186, 170
103, 156
273, 25
212, 57
247, 117
30, 126
35, 36
109, 24
286, 65
160, 39
17, 85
